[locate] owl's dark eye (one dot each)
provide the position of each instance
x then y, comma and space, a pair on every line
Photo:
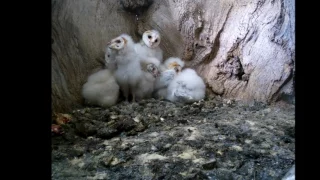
108, 55
149, 37
118, 41
156, 40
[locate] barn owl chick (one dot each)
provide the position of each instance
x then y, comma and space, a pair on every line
128, 70
149, 45
186, 87
169, 70
101, 89
149, 67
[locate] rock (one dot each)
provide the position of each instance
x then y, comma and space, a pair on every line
106, 133
85, 129
290, 175
144, 158
153, 148
234, 143
106, 161
210, 164
221, 174
137, 6
236, 148
98, 176
77, 151
247, 169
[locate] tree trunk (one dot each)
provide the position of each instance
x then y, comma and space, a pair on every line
243, 49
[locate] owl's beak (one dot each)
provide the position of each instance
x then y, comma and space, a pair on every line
112, 46
151, 45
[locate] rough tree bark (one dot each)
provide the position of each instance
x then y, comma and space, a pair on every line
243, 49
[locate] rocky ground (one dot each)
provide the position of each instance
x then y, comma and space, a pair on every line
156, 139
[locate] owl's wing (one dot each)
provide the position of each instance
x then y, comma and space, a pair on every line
158, 54
112, 66
166, 77
182, 93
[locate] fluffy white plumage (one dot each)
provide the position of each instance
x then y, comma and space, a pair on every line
149, 45
186, 87
128, 70
149, 67
101, 89
173, 63
110, 61
162, 82
169, 70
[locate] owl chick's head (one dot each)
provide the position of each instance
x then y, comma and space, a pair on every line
174, 63
120, 42
151, 38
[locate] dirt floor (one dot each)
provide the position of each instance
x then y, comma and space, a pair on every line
156, 139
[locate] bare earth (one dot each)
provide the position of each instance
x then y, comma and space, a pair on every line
156, 139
